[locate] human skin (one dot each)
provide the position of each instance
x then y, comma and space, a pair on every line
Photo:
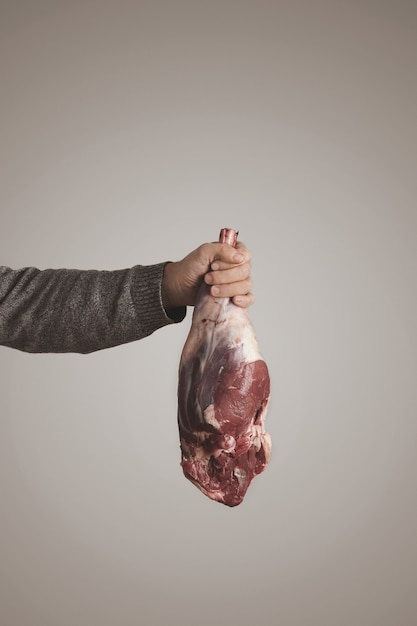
225, 268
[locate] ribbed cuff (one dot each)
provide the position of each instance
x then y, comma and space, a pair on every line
147, 298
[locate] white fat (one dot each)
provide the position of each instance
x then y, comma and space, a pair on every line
209, 418
200, 454
267, 446
221, 318
240, 474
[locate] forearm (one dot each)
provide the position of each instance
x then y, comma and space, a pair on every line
80, 310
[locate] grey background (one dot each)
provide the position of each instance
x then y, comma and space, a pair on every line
131, 132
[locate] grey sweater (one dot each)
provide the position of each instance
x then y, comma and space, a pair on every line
62, 310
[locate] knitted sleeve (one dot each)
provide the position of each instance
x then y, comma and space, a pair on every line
64, 310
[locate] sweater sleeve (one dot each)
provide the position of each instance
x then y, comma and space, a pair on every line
63, 310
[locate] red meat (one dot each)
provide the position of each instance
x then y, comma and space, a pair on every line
223, 394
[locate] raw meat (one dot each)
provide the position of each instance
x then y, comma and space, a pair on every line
223, 393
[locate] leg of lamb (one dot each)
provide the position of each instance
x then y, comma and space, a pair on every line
223, 393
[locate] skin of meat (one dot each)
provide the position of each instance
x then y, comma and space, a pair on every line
223, 394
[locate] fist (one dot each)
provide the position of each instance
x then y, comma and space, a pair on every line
224, 268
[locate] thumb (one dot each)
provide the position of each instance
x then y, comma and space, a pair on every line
226, 253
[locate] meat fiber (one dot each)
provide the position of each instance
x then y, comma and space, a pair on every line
223, 394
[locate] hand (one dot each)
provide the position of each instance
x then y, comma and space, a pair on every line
229, 276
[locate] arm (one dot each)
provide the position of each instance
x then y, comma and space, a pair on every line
80, 310
62, 310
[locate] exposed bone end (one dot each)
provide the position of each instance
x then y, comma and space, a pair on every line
228, 235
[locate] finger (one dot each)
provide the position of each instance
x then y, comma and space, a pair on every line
244, 301
240, 288
236, 273
224, 253
221, 265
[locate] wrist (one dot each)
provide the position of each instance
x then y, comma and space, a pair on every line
168, 291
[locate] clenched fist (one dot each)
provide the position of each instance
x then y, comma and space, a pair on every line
225, 268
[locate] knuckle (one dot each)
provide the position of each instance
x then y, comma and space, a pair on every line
220, 277
245, 270
203, 248
226, 250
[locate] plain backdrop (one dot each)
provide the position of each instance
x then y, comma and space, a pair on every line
131, 132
